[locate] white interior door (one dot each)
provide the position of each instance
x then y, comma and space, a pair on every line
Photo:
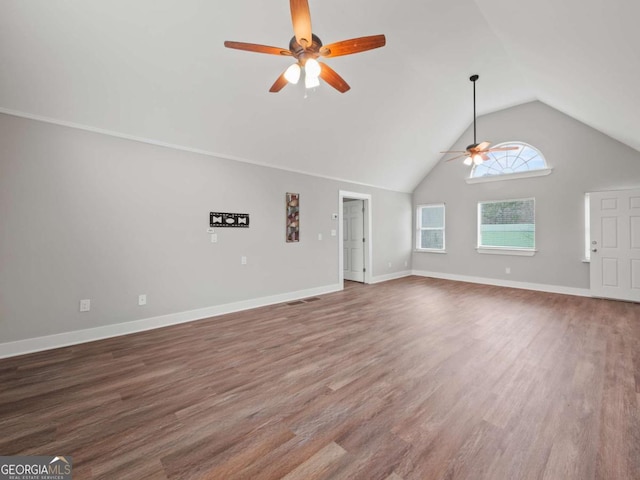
615, 244
353, 239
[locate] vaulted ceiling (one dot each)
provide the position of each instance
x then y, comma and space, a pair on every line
157, 70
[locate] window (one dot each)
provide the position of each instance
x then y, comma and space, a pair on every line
507, 227
430, 227
525, 161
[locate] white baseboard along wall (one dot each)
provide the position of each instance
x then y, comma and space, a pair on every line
38, 344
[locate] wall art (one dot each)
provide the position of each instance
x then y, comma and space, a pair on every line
237, 220
293, 217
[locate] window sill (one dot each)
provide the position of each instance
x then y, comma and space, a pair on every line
506, 251
427, 250
510, 176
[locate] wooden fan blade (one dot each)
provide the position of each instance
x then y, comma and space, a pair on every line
484, 157
502, 149
354, 45
301, 18
330, 76
455, 151
254, 47
455, 158
482, 146
279, 84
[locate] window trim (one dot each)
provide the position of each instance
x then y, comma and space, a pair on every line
496, 250
419, 228
519, 252
542, 172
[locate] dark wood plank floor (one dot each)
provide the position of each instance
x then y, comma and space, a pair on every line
412, 379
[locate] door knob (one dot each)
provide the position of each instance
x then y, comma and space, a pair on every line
594, 249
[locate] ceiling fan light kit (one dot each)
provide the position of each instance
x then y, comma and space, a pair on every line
306, 48
476, 153
292, 74
311, 81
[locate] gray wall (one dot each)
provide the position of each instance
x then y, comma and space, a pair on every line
583, 160
85, 215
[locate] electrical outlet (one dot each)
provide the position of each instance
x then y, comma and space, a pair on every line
243, 260
85, 305
142, 299
319, 236
333, 233
389, 264
214, 238
406, 264
507, 270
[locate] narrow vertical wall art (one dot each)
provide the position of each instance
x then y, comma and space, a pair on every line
293, 217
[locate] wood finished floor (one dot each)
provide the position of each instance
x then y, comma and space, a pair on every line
412, 379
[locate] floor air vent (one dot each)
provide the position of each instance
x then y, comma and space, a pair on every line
306, 300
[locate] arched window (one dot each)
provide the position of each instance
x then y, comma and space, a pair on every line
523, 162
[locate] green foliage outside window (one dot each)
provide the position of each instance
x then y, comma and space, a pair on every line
509, 224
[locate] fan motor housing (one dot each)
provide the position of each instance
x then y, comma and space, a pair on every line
301, 53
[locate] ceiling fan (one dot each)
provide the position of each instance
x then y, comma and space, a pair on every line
306, 48
476, 153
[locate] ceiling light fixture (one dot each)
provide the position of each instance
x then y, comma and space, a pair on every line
292, 74
312, 73
312, 67
312, 70
306, 48
311, 82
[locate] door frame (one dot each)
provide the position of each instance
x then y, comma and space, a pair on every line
596, 245
368, 250
351, 207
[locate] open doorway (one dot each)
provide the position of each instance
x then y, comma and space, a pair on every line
354, 228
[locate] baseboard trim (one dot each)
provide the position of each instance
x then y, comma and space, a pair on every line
38, 344
390, 276
540, 287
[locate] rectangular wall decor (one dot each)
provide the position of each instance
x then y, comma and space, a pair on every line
237, 220
293, 217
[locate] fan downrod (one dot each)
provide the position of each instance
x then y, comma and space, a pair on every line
473, 78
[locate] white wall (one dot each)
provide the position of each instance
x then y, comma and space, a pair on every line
583, 160
85, 215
